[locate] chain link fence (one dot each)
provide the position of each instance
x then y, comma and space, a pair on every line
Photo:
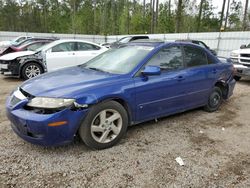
222, 42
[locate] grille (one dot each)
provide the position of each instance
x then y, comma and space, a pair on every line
245, 60
245, 55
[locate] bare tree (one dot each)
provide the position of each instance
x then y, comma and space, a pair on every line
152, 15
222, 13
128, 17
199, 16
244, 25
228, 7
178, 16
156, 14
144, 8
169, 9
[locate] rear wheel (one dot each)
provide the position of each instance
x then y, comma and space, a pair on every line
104, 126
31, 70
214, 100
237, 78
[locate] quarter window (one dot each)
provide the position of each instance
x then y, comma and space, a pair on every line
169, 58
195, 56
64, 47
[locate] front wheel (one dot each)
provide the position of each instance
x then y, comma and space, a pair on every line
104, 126
214, 100
31, 70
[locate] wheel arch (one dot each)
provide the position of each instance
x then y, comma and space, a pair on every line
224, 88
122, 102
30, 61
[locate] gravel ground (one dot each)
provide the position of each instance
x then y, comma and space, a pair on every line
214, 146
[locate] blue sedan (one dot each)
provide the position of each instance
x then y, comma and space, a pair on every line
132, 84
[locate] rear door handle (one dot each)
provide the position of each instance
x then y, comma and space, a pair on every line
180, 78
214, 71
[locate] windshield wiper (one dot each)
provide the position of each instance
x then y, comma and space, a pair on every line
96, 69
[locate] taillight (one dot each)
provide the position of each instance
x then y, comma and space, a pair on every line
234, 71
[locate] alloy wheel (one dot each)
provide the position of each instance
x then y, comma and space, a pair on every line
106, 126
32, 71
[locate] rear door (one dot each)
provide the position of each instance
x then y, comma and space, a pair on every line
200, 77
165, 93
87, 51
61, 56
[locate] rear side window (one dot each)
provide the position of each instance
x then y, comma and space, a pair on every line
195, 56
81, 46
64, 47
169, 58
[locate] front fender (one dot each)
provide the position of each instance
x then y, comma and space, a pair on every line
88, 99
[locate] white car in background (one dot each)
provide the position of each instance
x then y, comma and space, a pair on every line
241, 61
56, 55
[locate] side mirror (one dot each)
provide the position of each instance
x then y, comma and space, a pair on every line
243, 46
49, 50
151, 70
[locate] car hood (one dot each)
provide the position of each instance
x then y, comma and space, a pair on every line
243, 51
12, 56
73, 82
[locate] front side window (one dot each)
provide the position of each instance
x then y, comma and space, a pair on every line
64, 47
195, 56
81, 46
169, 58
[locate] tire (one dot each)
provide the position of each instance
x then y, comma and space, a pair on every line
104, 126
31, 70
237, 78
214, 100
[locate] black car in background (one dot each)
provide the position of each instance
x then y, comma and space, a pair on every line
200, 43
124, 40
29, 40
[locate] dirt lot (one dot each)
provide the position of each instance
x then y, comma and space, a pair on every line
214, 146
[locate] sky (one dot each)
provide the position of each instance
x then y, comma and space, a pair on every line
216, 3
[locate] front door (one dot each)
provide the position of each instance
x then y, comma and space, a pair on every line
161, 94
61, 56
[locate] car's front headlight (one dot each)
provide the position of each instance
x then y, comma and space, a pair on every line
233, 54
50, 103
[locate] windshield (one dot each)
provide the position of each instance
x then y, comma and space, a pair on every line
124, 40
120, 60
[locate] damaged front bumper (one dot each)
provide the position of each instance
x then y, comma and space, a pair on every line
38, 128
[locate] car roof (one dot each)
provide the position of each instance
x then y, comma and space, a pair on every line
159, 43
68, 40
146, 42
34, 42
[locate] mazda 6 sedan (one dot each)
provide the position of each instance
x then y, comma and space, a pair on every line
134, 83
